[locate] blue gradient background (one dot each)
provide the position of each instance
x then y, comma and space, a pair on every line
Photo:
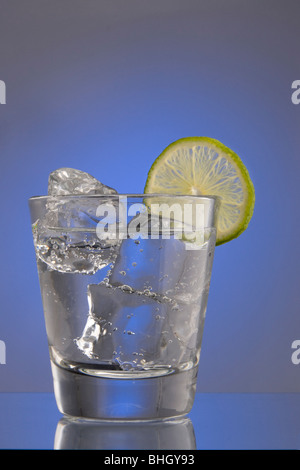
105, 86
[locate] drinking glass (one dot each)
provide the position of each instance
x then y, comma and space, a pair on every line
124, 281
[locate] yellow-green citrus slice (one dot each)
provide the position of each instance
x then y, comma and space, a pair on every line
204, 166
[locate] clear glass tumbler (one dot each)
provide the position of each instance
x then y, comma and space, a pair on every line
124, 282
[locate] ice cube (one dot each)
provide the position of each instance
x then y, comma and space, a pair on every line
71, 251
165, 267
182, 335
122, 327
194, 278
74, 212
67, 181
139, 332
66, 238
148, 264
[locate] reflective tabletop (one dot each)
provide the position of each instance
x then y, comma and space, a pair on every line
217, 421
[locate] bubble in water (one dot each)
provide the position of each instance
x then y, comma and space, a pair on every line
126, 288
126, 366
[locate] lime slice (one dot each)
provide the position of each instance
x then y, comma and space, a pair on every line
204, 166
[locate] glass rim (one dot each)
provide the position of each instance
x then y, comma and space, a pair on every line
118, 195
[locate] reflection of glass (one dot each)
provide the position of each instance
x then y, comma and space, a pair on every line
175, 434
124, 314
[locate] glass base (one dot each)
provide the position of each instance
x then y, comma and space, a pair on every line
93, 397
